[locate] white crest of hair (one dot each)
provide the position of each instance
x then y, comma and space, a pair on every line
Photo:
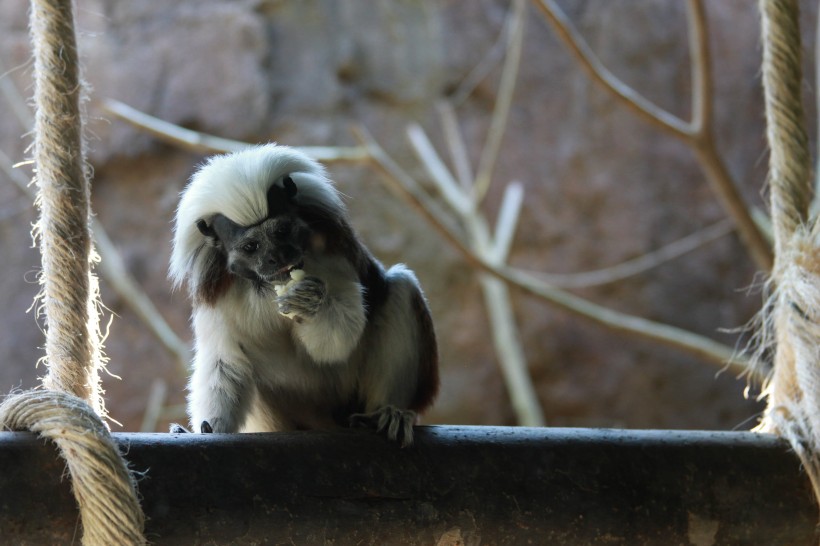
236, 185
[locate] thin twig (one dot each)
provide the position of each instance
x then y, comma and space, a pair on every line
506, 340
113, 270
484, 67
404, 185
455, 144
602, 75
503, 102
698, 135
722, 184
510, 353
116, 275
695, 344
205, 143
701, 61
111, 266
672, 336
454, 196
507, 221
642, 263
702, 141
174, 134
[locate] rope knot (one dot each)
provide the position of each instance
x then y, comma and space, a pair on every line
103, 486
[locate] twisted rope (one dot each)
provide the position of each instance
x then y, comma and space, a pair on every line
792, 314
105, 492
67, 296
102, 484
789, 161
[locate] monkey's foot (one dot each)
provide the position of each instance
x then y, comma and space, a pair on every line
396, 424
204, 428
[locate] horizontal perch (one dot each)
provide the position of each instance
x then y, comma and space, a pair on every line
456, 485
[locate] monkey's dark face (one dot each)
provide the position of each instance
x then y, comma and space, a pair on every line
263, 253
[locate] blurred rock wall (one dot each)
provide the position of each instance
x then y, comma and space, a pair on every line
601, 185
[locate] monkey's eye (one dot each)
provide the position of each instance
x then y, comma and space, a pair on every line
250, 247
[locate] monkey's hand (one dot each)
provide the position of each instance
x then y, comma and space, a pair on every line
396, 424
303, 299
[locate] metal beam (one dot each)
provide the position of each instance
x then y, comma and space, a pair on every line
456, 485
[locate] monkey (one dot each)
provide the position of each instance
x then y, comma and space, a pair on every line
296, 325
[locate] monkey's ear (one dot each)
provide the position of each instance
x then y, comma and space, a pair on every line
209, 232
281, 199
290, 187
205, 229
222, 230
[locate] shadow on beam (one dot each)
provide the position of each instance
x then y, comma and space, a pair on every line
457, 485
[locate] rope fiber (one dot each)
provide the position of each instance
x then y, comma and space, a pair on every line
791, 316
104, 488
67, 297
71, 410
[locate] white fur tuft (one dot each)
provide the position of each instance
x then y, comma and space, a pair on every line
236, 186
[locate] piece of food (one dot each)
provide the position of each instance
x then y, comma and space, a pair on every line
296, 275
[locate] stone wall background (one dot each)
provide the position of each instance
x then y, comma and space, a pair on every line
601, 185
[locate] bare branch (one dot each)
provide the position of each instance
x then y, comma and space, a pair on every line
173, 134
730, 199
111, 266
642, 263
455, 197
701, 60
455, 144
113, 270
601, 74
501, 110
703, 144
695, 344
483, 68
205, 143
404, 186
507, 221
116, 275
507, 343
511, 357
698, 135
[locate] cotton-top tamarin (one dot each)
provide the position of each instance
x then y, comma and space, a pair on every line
297, 325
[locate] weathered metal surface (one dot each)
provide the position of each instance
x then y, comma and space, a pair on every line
457, 485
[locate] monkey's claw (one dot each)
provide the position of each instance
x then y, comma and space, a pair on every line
396, 424
204, 428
